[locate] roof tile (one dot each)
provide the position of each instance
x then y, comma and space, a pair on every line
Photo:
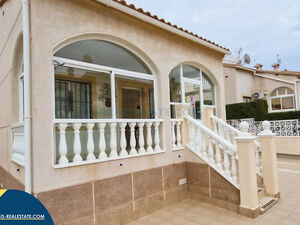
140, 10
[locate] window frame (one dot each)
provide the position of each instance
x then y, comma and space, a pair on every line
184, 80
109, 70
280, 97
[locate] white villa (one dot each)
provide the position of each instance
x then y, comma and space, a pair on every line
110, 113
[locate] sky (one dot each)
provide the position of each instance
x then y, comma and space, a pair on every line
262, 28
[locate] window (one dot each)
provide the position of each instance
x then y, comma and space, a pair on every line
190, 85
282, 99
100, 79
246, 99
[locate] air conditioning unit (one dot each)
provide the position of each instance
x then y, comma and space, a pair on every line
258, 95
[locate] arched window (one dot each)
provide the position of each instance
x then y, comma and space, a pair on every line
282, 99
190, 85
100, 79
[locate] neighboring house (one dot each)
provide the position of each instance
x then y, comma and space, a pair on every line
281, 88
85, 120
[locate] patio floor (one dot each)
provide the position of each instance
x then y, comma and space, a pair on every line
190, 212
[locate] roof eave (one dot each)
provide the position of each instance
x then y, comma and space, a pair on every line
162, 25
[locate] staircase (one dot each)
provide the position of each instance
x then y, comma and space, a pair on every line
218, 148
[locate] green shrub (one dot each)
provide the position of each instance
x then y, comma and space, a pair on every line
257, 109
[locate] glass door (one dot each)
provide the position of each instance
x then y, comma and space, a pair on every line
192, 96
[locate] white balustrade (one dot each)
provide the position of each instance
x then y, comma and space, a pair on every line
149, 138
141, 138
123, 140
102, 143
62, 144
132, 139
18, 153
77, 140
90, 142
229, 133
77, 143
156, 138
216, 150
176, 134
113, 141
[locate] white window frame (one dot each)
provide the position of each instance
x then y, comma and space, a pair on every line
109, 70
281, 97
196, 82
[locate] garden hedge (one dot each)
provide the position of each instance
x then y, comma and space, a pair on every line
257, 109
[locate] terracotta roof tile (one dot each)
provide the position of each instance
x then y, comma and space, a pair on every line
140, 10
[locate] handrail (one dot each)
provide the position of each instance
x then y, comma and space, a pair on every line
206, 130
231, 128
105, 120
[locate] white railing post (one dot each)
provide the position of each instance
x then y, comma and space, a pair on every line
149, 137
203, 144
113, 141
102, 144
179, 145
123, 140
132, 139
269, 160
174, 146
156, 138
90, 142
62, 144
77, 143
249, 204
141, 139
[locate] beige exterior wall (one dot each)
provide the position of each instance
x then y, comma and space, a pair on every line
54, 25
241, 82
11, 27
287, 145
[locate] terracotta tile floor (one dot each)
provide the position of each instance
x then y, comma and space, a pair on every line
190, 212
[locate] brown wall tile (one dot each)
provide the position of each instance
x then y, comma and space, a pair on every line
117, 215
9, 182
197, 178
222, 189
69, 204
113, 192
147, 182
172, 174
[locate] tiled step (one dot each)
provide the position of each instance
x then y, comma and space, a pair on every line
266, 203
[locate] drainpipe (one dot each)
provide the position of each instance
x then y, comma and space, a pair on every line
27, 99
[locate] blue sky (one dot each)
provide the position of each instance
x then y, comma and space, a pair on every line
262, 28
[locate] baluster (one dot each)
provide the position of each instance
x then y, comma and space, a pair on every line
77, 143
226, 165
102, 144
233, 168
179, 146
218, 158
90, 142
62, 144
227, 135
141, 139
203, 145
113, 141
156, 138
123, 140
173, 135
197, 147
132, 139
191, 134
149, 138
211, 151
